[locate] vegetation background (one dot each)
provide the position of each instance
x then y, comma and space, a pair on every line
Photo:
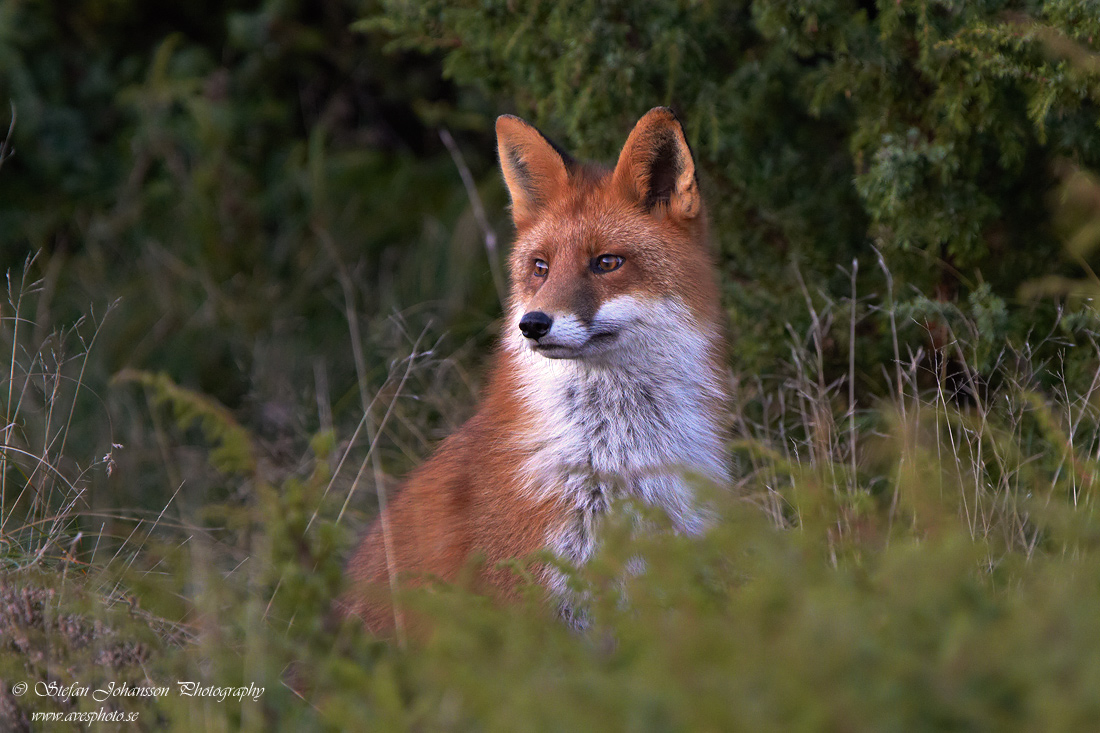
253, 255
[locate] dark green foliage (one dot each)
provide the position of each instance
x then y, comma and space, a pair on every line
905, 201
241, 178
216, 167
929, 129
233, 453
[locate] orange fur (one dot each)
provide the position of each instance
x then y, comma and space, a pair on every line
475, 493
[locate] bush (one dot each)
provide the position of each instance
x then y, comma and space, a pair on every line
928, 130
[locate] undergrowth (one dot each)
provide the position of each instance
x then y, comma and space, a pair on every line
927, 561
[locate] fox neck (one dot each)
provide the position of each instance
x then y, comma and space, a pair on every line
643, 421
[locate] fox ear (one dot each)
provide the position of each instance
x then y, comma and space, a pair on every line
655, 167
534, 168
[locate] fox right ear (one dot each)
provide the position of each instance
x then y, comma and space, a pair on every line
535, 169
656, 169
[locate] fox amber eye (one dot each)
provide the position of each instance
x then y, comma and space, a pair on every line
541, 268
606, 263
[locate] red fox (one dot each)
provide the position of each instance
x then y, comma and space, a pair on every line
608, 377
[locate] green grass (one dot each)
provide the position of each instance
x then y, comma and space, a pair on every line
927, 561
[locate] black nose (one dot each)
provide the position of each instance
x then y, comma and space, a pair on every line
535, 324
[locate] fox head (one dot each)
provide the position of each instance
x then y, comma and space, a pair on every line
604, 258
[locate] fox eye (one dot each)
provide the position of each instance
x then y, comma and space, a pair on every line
541, 268
606, 263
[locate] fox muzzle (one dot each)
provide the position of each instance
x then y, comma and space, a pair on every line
535, 325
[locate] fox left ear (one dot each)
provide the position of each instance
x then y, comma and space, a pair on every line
655, 166
535, 169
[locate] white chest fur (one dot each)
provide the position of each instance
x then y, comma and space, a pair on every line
642, 421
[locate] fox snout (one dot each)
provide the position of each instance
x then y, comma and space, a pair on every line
566, 335
557, 335
535, 325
